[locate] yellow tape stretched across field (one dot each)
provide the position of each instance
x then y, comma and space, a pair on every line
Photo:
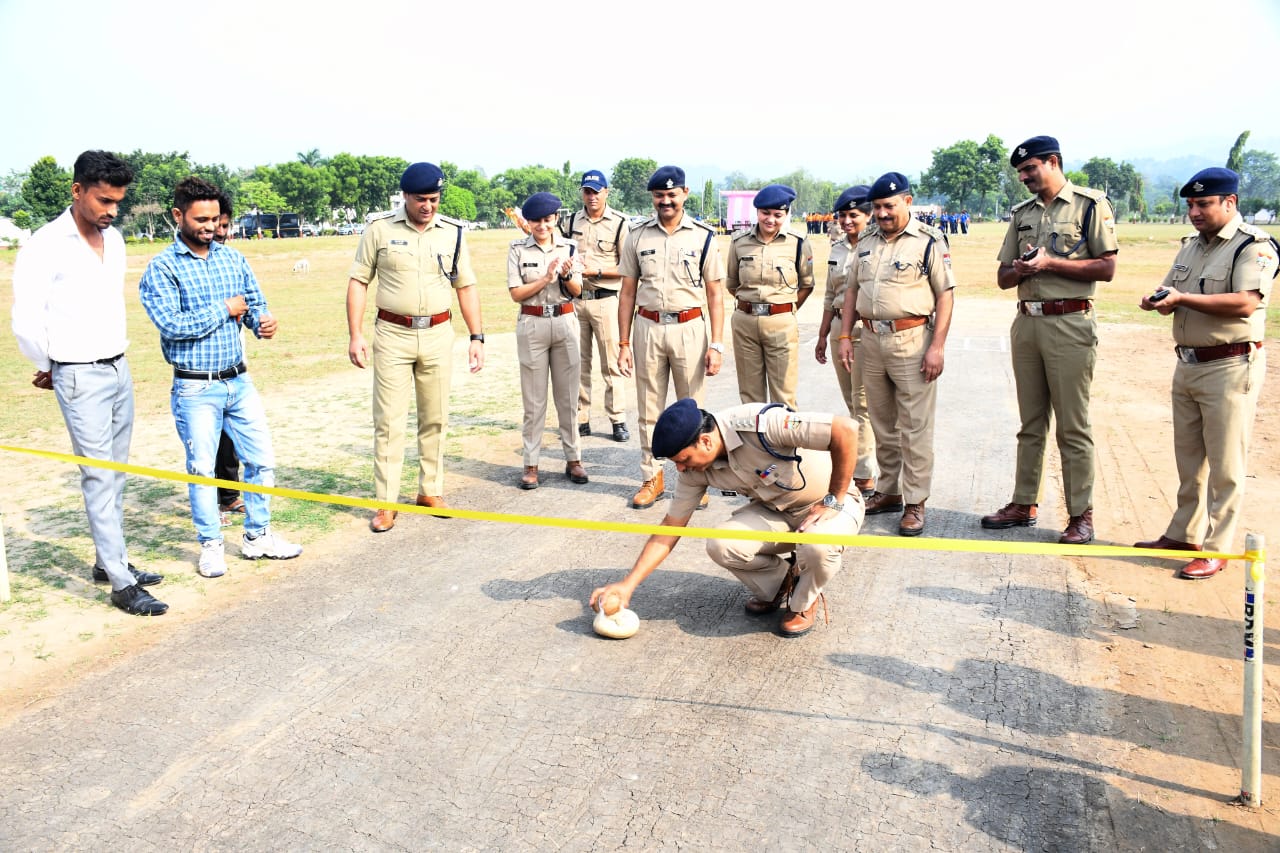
983, 546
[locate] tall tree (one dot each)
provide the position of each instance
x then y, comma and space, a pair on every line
1235, 159
1104, 175
709, 200
306, 189
630, 184
311, 158
954, 173
262, 195
47, 190
1259, 176
458, 202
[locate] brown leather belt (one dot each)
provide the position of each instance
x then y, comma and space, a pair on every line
1054, 307
666, 317
766, 309
410, 322
597, 294
1199, 355
547, 310
887, 327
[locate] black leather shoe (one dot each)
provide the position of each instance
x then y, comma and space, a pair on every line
620, 432
142, 578
136, 600
584, 429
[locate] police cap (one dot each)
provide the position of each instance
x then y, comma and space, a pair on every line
1039, 147
667, 178
852, 197
775, 197
1212, 181
422, 179
889, 184
677, 428
539, 205
594, 180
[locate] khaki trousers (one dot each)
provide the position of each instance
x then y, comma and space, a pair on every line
1213, 409
548, 348
855, 398
766, 351
760, 566
598, 323
901, 406
407, 363
1053, 360
665, 353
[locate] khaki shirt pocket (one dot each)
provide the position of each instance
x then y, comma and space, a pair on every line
1180, 277
1064, 237
1215, 280
398, 258
650, 264
901, 271
532, 269
684, 266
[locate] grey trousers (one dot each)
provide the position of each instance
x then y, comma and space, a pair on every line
97, 405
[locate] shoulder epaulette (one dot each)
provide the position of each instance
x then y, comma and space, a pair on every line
1089, 192
704, 225
930, 230
1258, 234
1022, 203
386, 214
457, 223
739, 234
648, 220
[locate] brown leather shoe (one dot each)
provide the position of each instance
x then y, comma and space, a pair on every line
758, 606
880, 502
1079, 529
575, 472
1201, 568
866, 486
1011, 515
433, 501
1164, 543
912, 523
649, 493
383, 520
529, 480
795, 624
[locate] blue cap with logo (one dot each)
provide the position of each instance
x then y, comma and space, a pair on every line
1039, 147
1212, 181
852, 197
667, 178
775, 197
422, 178
889, 184
677, 428
539, 205
594, 180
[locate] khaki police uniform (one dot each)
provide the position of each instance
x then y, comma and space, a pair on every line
547, 345
1054, 339
898, 286
765, 280
1215, 390
599, 244
781, 492
413, 281
851, 388
669, 331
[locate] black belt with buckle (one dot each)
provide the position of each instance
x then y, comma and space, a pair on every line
210, 375
598, 294
111, 360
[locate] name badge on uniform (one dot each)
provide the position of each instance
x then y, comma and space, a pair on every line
529, 264
648, 252
1024, 227
1180, 267
831, 263
864, 254
747, 259
399, 242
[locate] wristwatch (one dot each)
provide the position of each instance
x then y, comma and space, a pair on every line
717, 347
829, 501
479, 337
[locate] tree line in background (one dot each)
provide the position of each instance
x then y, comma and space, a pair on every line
966, 175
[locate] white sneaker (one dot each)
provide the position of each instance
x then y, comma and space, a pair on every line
268, 545
212, 562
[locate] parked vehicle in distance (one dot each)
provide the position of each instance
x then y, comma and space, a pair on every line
270, 225
290, 225
345, 230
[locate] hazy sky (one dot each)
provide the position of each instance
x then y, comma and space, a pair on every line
844, 90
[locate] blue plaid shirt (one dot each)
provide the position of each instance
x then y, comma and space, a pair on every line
185, 296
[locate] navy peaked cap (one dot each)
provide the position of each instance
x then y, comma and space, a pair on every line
775, 197
595, 180
852, 197
1212, 181
539, 205
889, 184
677, 428
422, 178
1037, 146
666, 178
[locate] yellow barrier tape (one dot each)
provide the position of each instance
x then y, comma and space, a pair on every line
977, 546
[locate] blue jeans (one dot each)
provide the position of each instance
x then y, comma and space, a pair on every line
201, 411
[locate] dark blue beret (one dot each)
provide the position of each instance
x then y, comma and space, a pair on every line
1212, 181
539, 205
595, 180
422, 178
775, 197
677, 428
889, 184
1039, 147
852, 197
666, 178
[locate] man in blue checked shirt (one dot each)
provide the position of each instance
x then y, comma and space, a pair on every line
198, 293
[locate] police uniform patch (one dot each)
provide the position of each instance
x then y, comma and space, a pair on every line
1109, 222
946, 258
791, 421
1180, 267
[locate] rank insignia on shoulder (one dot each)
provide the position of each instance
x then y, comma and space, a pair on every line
740, 424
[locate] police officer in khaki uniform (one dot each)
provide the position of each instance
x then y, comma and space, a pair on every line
853, 214
599, 232
1061, 242
770, 275
543, 276
1217, 293
421, 260
902, 290
796, 469
671, 285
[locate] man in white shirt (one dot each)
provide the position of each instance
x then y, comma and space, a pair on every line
69, 319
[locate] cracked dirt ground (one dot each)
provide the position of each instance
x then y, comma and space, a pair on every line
440, 687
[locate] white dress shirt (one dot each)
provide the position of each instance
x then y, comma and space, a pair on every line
68, 304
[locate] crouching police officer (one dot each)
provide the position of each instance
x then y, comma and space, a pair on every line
753, 449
